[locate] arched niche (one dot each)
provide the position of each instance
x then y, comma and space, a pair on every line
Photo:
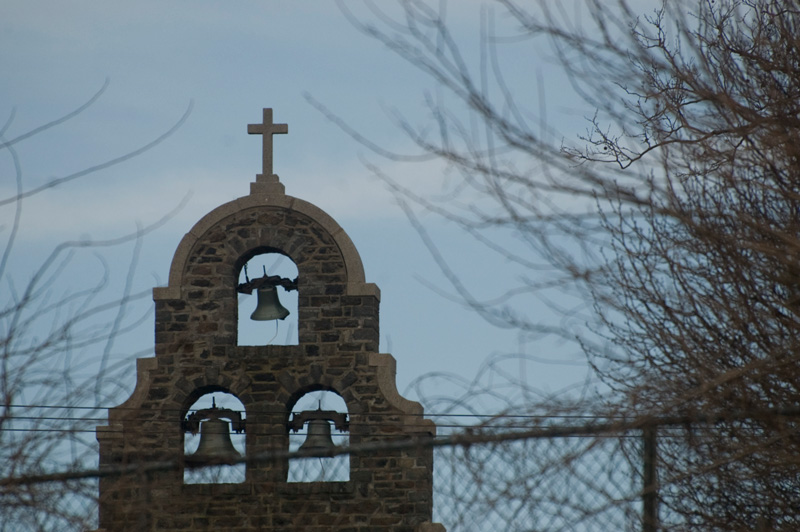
201, 302
213, 399
318, 469
228, 220
257, 263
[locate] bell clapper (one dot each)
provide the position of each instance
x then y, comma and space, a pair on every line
274, 335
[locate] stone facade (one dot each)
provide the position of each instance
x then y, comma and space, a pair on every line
196, 352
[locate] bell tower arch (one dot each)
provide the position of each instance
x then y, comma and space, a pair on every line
196, 351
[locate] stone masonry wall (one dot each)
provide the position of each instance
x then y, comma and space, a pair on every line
197, 353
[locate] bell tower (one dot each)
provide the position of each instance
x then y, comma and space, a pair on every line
389, 480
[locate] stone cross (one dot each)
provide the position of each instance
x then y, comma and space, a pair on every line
267, 129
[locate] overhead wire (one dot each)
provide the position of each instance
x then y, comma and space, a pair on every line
465, 438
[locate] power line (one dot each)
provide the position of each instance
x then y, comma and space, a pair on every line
464, 439
279, 411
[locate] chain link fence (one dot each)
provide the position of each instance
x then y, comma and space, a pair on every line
565, 478
573, 483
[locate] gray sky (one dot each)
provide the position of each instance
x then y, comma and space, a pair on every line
231, 59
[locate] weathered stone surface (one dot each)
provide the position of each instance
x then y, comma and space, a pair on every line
196, 353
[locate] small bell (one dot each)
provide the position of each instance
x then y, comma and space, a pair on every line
269, 306
319, 436
215, 442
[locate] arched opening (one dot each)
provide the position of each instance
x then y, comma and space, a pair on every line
319, 469
213, 434
258, 324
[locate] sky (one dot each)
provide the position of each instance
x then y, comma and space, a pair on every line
225, 61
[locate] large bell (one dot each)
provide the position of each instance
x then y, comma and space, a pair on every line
215, 442
319, 436
269, 306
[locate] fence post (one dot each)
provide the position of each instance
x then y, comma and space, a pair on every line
650, 489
